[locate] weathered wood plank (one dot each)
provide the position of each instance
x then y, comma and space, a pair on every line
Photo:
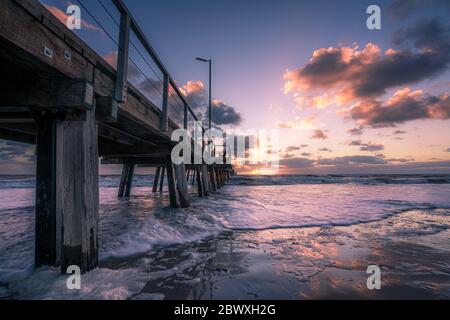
58, 94
78, 191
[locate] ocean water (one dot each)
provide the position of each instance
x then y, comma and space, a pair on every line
130, 227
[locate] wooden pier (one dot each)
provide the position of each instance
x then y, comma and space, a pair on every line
58, 93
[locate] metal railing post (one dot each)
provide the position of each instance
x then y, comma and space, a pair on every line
165, 102
122, 59
185, 116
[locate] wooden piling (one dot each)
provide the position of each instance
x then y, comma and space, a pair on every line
155, 179
129, 181
123, 181
199, 182
67, 194
182, 188
205, 179
212, 178
161, 184
171, 183
46, 165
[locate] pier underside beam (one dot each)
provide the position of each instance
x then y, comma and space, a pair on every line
67, 196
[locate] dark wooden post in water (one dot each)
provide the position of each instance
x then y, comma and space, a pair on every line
126, 180
171, 183
46, 245
123, 180
67, 194
205, 179
155, 179
182, 188
129, 183
161, 183
212, 178
199, 182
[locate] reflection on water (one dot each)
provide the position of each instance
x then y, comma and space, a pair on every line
248, 242
311, 263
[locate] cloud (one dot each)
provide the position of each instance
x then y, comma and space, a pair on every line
62, 16
297, 163
292, 148
319, 134
197, 97
400, 160
362, 164
343, 74
16, 152
430, 35
399, 132
306, 154
325, 150
448, 149
401, 9
355, 131
367, 146
223, 114
286, 125
405, 105
352, 160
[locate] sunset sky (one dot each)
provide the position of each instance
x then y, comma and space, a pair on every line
345, 98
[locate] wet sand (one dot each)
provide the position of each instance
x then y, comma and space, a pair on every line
306, 263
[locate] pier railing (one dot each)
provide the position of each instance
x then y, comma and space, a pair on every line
126, 48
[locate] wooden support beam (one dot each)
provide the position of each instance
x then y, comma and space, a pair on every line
120, 136
183, 196
129, 183
205, 180
155, 179
216, 173
67, 196
193, 176
78, 192
171, 183
46, 244
187, 175
199, 182
161, 184
8, 134
123, 181
107, 109
59, 94
212, 178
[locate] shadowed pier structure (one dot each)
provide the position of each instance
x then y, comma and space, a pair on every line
58, 93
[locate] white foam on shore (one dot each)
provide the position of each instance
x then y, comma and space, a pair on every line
99, 284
